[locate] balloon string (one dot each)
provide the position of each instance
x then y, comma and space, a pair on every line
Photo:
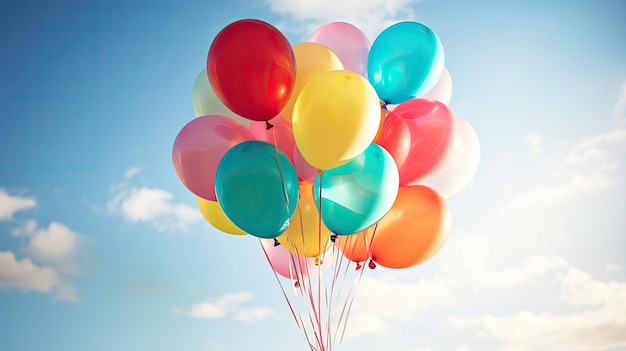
280, 168
319, 245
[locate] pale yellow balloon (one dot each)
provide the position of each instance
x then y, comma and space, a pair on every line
312, 59
335, 118
213, 213
205, 101
303, 236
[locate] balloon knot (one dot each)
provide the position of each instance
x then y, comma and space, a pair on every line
318, 261
384, 106
268, 125
333, 237
320, 171
371, 264
276, 242
296, 284
358, 266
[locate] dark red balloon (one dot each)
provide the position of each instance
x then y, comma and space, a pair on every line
252, 69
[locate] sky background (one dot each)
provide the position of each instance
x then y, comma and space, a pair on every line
102, 248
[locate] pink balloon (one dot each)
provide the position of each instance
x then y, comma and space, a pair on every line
395, 137
442, 91
290, 265
434, 138
279, 134
303, 168
198, 150
347, 42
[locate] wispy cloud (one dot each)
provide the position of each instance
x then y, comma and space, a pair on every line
151, 205
228, 305
24, 274
10, 204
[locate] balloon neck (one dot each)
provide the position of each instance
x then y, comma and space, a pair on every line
296, 284
318, 261
358, 266
333, 237
276, 242
371, 264
384, 106
320, 171
268, 125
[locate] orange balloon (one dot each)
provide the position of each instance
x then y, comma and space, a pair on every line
414, 229
356, 247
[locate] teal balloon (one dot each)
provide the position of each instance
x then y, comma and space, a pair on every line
358, 194
257, 190
405, 62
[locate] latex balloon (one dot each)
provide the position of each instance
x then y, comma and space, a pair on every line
213, 213
279, 134
292, 266
199, 147
395, 137
458, 174
251, 67
405, 61
312, 59
205, 102
348, 42
335, 118
359, 193
304, 237
434, 139
442, 91
356, 247
257, 191
304, 169
414, 229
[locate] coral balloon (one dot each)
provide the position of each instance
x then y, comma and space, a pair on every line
199, 147
251, 67
304, 237
213, 213
395, 137
434, 139
414, 230
279, 134
312, 59
205, 102
348, 42
356, 247
257, 187
335, 118
404, 62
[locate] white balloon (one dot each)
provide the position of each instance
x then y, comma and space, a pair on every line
442, 91
463, 166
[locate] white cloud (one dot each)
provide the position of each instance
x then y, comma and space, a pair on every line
619, 112
55, 246
254, 314
218, 308
9, 205
131, 172
24, 274
371, 17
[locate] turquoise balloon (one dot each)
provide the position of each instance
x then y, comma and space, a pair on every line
358, 194
405, 61
256, 190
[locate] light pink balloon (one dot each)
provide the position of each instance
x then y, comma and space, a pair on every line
442, 91
280, 134
290, 265
198, 150
347, 42
303, 168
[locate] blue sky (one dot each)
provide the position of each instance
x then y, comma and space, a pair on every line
102, 247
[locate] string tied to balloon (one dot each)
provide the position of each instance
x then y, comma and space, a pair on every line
268, 125
333, 237
371, 264
358, 266
276, 242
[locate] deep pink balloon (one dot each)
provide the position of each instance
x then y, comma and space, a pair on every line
347, 42
434, 138
280, 134
395, 137
199, 147
290, 265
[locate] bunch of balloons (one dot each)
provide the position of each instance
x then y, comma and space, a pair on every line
328, 146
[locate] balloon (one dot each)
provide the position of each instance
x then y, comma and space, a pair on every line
304, 169
434, 138
348, 42
405, 61
304, 236
356, 247
442, 91
395, 137
413, 230
463, 166
280, 134
205, 102
257, 191
359, 193
335, 118
213, 213
290, 265
312, 59
252, 69
199, 147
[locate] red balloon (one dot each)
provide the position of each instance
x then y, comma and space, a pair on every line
395, 137
252, 69
434, 133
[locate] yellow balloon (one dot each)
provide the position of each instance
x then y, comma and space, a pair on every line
312, 59
213, 213
303, 236
335, 118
